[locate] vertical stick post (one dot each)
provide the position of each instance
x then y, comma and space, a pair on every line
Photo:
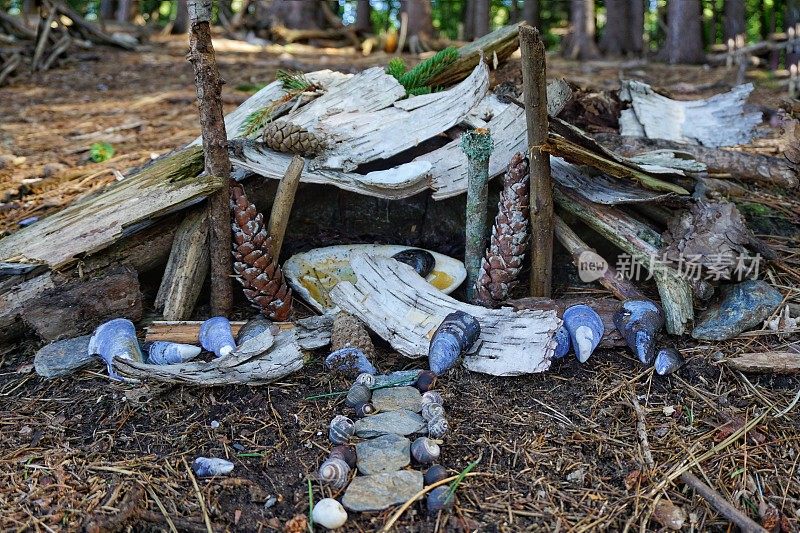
477, 145
535, 97
282, 206
208, 84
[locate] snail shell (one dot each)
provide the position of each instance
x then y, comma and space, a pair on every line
341, 429
357, 395
170, 353
454, 336
365, 409
350, 361
211, 466
668, 360
639, 322
425, 451
366, 379
434, 474
216, 336
425, 381
439, 499
432, 396
562, 343
115, 338
585, 329
335, 473
437, 427
431, 411
422, 261
344, 453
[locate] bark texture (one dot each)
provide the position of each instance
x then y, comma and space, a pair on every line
481, 18
684, 37
579, 44
623, 32
363, 20
733, 19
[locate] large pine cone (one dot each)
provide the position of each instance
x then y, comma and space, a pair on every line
348, 331
253, 263
286, 137
503, 261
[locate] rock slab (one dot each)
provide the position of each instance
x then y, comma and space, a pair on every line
379, 491
387, 453
742, 306
63, 357
402, 422
396, 398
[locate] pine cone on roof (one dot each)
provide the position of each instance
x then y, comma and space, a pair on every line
290, 138
348, 331
503, 261
257, 271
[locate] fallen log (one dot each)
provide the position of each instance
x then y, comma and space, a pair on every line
747, 167
16, 27
767, 362
403, 309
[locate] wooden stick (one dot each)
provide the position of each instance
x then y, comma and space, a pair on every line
282, 206
186, 331
773, 362
477, 145
534, 84
215, 145
47, 14
718, 502
619, 287
187, 267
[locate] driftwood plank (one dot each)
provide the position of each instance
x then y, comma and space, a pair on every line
398, 305
716, 121
168, 185
772, 362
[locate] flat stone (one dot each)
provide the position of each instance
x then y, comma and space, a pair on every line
401, 422
387, 453
396, 398
379, 491
60, 358
741, 307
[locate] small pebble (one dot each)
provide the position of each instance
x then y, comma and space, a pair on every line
329, 513
214, 424
51, 169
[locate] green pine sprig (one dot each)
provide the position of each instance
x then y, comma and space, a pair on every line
417, 80
294, 83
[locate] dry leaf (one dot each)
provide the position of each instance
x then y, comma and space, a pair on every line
669, 515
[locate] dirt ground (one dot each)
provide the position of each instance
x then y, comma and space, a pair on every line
560, 451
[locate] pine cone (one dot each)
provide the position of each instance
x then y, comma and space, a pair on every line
286, 137
503, 261
253, 263
348, 331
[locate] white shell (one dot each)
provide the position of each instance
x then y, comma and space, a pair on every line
432, 410
432, 396
366, 379
329, 513
322, 268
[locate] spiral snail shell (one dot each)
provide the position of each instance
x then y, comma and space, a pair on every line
341, 429
437, 427
345, 453
434, 474
425, 381
335, 473
425, 451
439, 499
366, 379
365, 409
431, 411
432, 396
357, 395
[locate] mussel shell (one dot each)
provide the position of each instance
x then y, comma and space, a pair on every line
357, 395
341, 429
211, 466
422, 261
639, 322
255, 327
432, 396
216, 336
562, 343
457, 333
426, 381
334, 472
425, 451
438, 427
344, 453
434, 474
170, 353
366, 379
585, 329
115, 338
350, 361
431, 410
439, 499
365, 409
668, 360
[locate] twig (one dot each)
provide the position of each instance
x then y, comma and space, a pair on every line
199, 495
161, 508
641, 431
745, 523
282, 206
477, 145
541, 198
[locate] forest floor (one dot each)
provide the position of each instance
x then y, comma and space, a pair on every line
559, 451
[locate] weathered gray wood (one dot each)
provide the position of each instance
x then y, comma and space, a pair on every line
716, 121
404, 310
282, 206
168, 185
600, 188
187, 267
772, 362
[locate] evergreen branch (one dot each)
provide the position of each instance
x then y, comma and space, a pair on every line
417, 80
396, 68
293, 81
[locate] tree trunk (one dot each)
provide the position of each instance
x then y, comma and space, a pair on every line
636, 22
684, 32
481, 18
181, 23
124, 10
514, 14
579, 44
733, 19
616, 33
420, 22
363, 20
296, 14
107, 9
530, 12
792, 20
469, 20
215, 146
